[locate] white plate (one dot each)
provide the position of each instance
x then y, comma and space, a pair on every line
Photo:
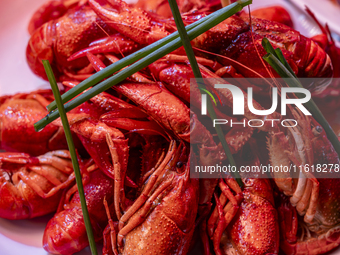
24, 236
15, 75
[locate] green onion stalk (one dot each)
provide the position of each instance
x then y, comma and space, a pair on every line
278, 62
73, 154
197, 28
197, 73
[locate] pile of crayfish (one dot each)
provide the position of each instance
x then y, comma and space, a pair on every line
136, 141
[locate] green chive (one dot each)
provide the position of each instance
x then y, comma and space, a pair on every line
277, 53
115, 67
284, 61
268, 47
73, 154
197, 73
292, 81
221, 15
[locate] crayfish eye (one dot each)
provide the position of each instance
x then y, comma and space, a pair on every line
179, 164
317, 130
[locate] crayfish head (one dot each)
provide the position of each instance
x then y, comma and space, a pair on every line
39, 48
323, 150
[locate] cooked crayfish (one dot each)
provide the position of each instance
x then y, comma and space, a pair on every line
312, 196
32, 186
56, 40
154, 216
243, 221
138, 28
234, 38
18, 113
51, 10
65, 233
328, 99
